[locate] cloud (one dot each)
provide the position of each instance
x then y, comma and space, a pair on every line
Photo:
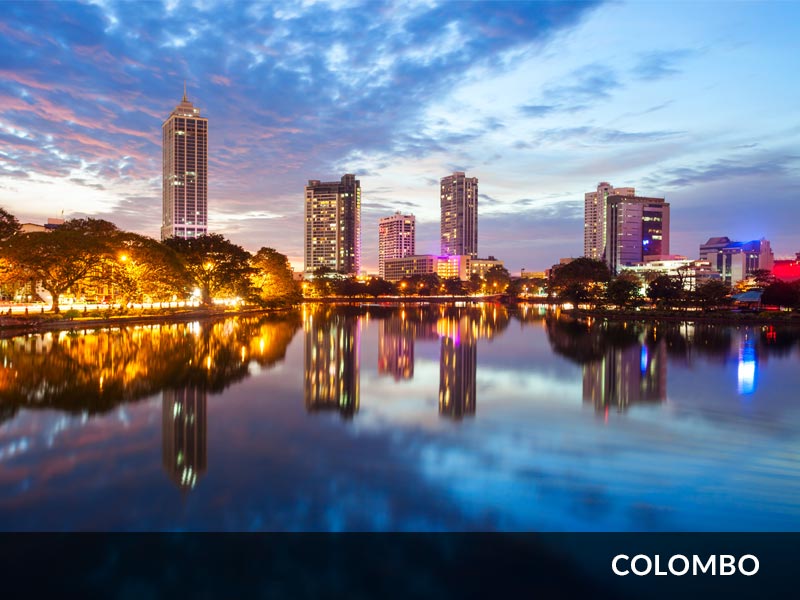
652, 66
727, 169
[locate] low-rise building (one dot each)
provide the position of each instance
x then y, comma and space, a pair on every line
480, 266
734, 261
426, 264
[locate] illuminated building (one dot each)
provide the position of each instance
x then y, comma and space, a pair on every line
691, 272
332, 370
625, 376
333, 225
787, 269
480, 266
185, 173
734, 261
395, 239
594, 218
637, 229
396, 347
459, 220
184, 422
426, 264
458, 366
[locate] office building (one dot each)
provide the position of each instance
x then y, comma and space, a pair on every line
637, 230
185, 173
445, 267
333, 225
735, 261
396, 239
459, 221
594, 218
481, 266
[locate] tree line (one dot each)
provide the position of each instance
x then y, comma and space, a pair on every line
588, 281
88, 254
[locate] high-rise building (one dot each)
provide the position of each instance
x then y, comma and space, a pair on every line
185, 172
333, 225
594, 218
184, 421
396, 236
459, 224
637, 229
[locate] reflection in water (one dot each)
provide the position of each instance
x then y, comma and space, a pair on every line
332, 347
184, 425
626, 375
458, 367
747, 366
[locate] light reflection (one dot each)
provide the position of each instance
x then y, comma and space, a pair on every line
747, 367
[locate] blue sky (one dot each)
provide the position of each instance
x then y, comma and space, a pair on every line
696, 102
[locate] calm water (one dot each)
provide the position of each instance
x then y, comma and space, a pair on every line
385, 418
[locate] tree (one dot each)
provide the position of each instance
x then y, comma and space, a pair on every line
497, 279
624, 289
272, 278
453, 286
712, 293
214, 265
9, 225
380, 287
145, 267
473, 285
664, 289
781, 293
75, 252
580, 280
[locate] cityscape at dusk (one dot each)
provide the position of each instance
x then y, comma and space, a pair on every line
386, 298
539, 101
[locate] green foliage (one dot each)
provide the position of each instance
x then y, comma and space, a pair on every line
214, 265
665, 290
624, 289
581, 280
272, 278
711, 294
453, 286
497, 279
9, 225
782, 293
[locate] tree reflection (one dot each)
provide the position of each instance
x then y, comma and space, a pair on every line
94, 371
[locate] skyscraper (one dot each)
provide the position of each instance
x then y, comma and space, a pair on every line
333, 225
459, 224
185, 172
395, 239
637, 229
594, 218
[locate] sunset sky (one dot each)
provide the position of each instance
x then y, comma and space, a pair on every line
695, 102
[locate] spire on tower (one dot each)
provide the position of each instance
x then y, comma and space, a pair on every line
184, 90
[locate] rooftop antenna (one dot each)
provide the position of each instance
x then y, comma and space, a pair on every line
184, 90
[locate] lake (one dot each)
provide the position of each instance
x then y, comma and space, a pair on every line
402, 418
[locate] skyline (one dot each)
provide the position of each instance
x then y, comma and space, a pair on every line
521, 96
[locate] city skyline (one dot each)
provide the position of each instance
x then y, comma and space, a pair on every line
540, 115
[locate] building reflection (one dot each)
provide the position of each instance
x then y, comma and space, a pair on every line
396, 347
331, 373
624, 376
184, 430
458, 365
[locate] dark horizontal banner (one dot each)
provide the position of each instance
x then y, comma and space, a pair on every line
351, 565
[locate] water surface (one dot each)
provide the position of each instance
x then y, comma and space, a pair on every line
402, 418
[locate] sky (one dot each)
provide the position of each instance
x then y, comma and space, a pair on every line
695, 102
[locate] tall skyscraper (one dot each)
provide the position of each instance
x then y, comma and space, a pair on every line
594, 218
333, 225
637, 229
459, 224
185, 172
396, 236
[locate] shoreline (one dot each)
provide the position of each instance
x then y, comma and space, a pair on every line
15, 326
12, 327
